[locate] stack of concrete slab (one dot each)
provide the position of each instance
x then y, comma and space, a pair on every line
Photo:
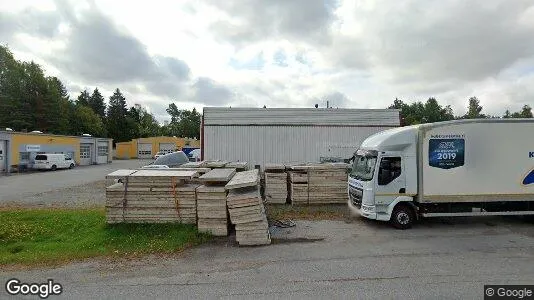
238, 165
246, 209
151, 196
298, 187
211, 202
275, 184
318, 183
194, 164
215, 164
200, 171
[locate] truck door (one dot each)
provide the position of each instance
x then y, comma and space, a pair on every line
391, 180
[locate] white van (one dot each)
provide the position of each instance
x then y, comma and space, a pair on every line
52, 162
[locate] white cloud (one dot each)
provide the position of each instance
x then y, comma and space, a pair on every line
359, 53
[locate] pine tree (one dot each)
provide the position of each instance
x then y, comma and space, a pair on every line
117, 124
58, 107
96, 102
83, 98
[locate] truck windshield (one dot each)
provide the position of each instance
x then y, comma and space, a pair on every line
363, 167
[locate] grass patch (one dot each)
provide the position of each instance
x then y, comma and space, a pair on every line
49, 236
318, 212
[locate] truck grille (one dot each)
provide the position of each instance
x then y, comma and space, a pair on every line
356, 195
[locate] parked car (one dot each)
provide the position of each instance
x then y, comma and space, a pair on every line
172, 160
160, 153
50, 161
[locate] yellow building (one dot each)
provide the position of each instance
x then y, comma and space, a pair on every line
148, 147
18, 149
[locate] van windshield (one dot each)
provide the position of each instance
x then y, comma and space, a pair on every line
363, 167
40, 157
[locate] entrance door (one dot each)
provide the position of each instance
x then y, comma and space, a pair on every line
3, 156
85, 154
391, 181
167, 147
103, 151
144, 150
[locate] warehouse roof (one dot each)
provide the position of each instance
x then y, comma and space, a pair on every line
9, 132
301, 116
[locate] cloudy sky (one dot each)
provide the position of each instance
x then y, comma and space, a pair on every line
282, 53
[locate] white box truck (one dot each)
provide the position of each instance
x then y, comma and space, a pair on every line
456, 168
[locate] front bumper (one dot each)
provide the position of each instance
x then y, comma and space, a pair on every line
42, 167
364, 211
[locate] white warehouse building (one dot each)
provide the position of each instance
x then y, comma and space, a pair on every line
289, 135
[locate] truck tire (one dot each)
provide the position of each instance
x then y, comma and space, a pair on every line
402, 217
54, 167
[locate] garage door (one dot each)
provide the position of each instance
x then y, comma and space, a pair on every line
85, 154
3, 156
167, 147
102, 153
144, 150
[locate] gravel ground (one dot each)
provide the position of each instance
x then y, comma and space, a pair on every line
79, 187
83, 196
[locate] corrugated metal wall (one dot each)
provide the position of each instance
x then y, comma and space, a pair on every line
283, 144
300, 116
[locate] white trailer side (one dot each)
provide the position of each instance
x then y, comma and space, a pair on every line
491, 160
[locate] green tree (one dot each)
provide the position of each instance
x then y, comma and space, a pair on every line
96, 102
507, 114
83, 98
15, 110
58, 107
526, 112
434, 112
85, 120
120, 126
146, 122
184, 123
474, 110
417, 112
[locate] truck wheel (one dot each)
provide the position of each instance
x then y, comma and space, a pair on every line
402, 217
54, 167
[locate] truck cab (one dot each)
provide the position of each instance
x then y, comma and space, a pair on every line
382, 183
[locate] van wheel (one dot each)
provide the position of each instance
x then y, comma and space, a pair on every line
54, 167
71, 166
402, 217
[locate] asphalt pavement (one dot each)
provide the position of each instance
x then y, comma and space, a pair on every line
28, 189
437, 259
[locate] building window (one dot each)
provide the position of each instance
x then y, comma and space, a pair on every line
85, 151
24, 156
144, 152
102, 150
